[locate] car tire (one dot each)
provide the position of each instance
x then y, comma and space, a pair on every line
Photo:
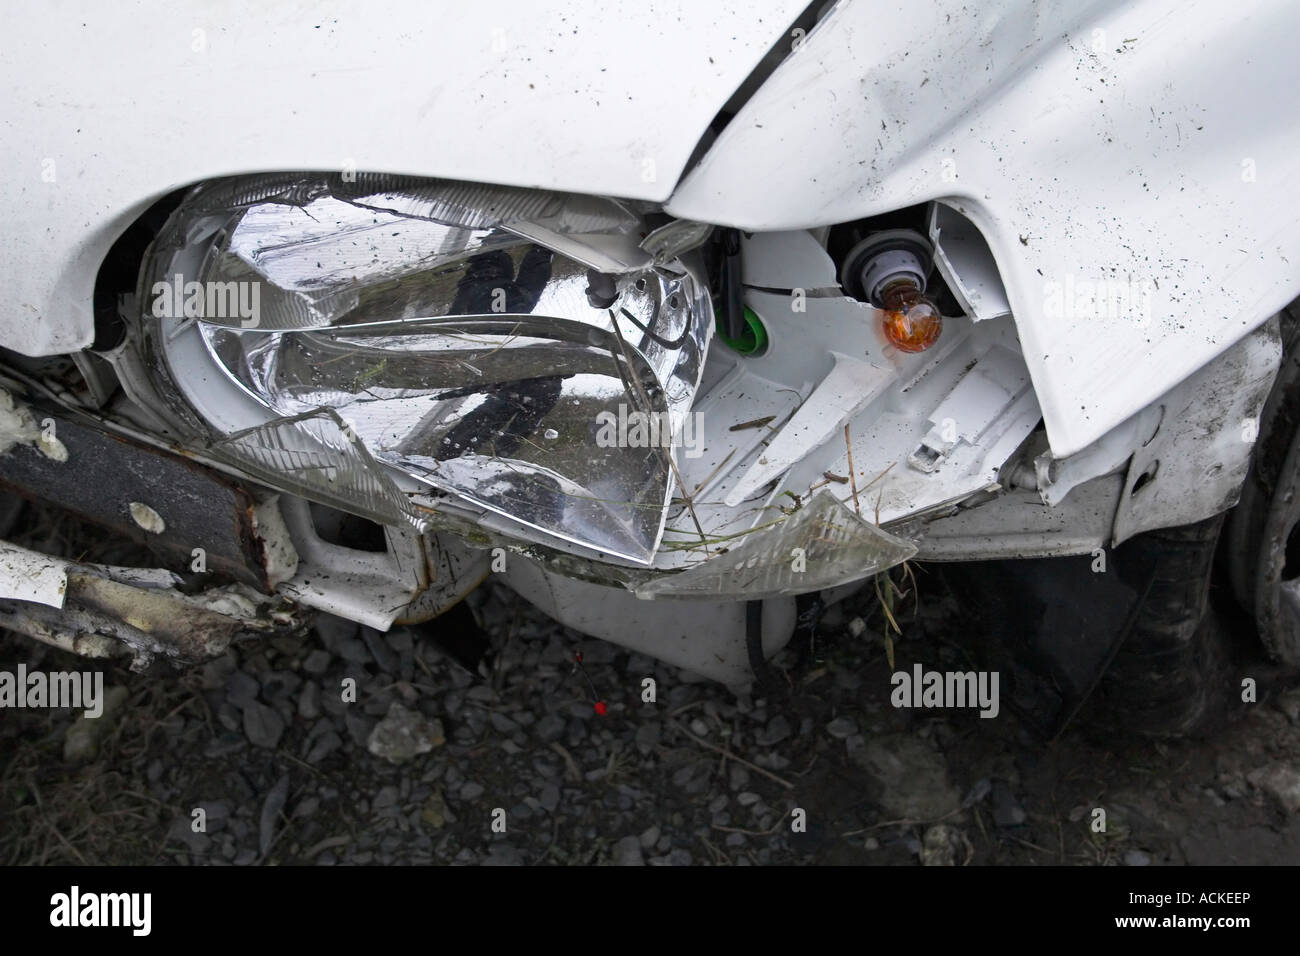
1171, 676
1261, 542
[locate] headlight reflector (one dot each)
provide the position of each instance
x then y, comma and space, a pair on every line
448, 330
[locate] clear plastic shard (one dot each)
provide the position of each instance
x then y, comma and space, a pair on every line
822, 545
319, 456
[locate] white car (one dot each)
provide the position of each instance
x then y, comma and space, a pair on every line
681, 320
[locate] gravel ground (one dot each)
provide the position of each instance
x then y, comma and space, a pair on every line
441, 758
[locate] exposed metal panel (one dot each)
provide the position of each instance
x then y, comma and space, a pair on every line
103, 475
1194, 465
1017, 524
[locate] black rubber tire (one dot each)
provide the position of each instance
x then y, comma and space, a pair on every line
1243, 557
1172, 675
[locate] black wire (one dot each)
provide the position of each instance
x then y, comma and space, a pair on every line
754, 645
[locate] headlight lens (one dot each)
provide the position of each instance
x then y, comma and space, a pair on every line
449, 332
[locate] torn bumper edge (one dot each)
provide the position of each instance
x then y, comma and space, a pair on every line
102, 611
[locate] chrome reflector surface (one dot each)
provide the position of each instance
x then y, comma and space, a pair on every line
461, 353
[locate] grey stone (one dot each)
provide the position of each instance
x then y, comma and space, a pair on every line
502, 854
309, 701
842, 727
777, 730
317, 662
353, 649
627, 852
277, 685
331, 699
502, 724
359, 727
215, 673
471, 790
649, 734
549, 728
262, 725
182, 831
981, 789
1281, 782
241, 689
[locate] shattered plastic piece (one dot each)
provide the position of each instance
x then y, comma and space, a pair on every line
318, 456
681, 235
404, 734
822, 545
30, 576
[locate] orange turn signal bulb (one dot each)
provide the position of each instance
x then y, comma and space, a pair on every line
912, 322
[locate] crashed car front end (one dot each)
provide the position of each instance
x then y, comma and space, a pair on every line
649, 407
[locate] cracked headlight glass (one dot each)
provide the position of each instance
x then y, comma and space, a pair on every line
469, 338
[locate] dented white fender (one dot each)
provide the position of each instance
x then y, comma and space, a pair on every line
110, 106
1104, 146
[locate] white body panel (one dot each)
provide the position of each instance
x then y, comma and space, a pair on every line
1151, 145
118, 104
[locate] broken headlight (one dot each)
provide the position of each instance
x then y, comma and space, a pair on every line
343, 338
